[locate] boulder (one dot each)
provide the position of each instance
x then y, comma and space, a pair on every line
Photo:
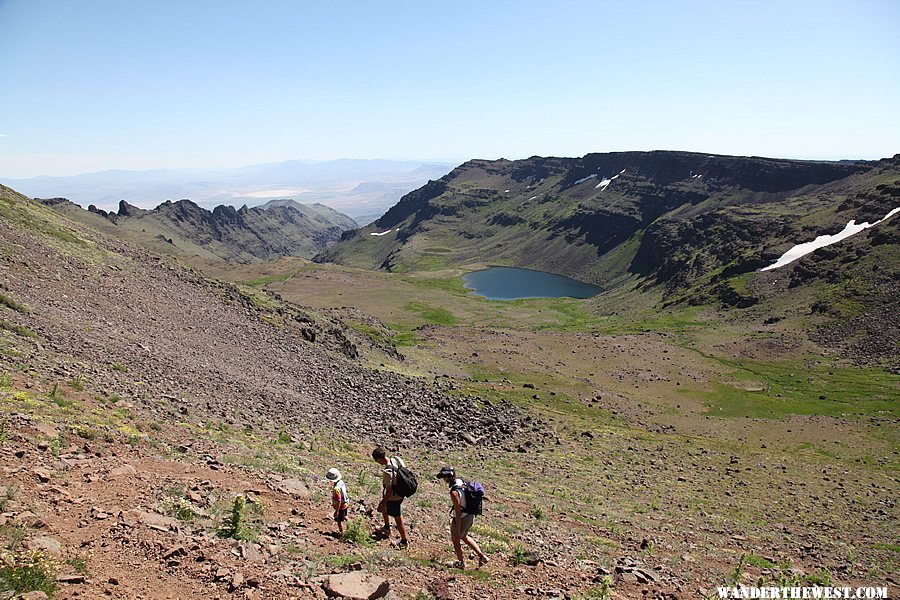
47, 430
122, 472
150, 519
357, 585
294, 487
45, 544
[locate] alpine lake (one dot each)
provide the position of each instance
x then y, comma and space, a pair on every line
510, 283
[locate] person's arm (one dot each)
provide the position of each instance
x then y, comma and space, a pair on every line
336, 501
388, 480
457, 514
386, 487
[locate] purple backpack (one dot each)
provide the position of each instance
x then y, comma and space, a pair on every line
474, 492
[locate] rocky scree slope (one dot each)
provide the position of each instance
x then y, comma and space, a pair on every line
278, 228
77, 302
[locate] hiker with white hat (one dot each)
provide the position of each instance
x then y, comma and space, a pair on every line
340, 499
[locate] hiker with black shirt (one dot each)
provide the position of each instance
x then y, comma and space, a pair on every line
466, 499
391, 500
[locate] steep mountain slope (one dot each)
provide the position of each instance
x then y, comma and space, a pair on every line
78, 303
586, 217
278, 228
659, 228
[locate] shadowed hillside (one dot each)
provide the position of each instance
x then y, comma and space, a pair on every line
277, 228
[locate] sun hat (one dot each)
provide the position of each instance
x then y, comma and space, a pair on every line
333, 475
446, 472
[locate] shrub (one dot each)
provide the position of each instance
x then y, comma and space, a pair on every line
77, 383
28, 572
179, 507
519, 555
58, 396
821, 578
6, 496
243, 521
538, 513
356, 532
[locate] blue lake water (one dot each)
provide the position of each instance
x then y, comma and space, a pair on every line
509, 283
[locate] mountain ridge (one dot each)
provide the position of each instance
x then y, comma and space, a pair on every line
658, 229
278, 228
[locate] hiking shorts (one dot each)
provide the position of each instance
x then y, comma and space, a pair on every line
465, 524
394, 508
341, 516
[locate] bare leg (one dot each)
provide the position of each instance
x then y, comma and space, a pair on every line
382, 508
401, 527
457, 547
474, 546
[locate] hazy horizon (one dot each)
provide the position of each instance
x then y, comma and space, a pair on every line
436, 161
103, 85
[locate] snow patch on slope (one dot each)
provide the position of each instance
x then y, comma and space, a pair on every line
604, 183
801, 250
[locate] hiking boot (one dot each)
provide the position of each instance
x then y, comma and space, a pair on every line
382, 533
482, 560
458, 564
403, 544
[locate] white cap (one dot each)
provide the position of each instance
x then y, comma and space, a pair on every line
333, 475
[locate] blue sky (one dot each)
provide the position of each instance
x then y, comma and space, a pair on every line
92, 85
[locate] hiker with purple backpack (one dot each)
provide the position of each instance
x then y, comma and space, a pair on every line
467, 498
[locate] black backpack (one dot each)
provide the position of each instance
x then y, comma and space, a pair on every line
405, 483
474, 493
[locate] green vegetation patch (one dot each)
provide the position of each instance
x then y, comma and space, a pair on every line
357, 532
28, 572
402, 334
264, 281
571, 316
678, 322
453, 285
17, 329
243, 521
10, 303
431, 315
778, 390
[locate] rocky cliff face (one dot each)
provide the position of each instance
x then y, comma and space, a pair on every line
279, 228
667, 216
